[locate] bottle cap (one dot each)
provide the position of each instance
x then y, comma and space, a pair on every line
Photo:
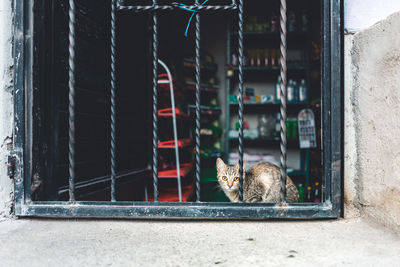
309, 187
316, 183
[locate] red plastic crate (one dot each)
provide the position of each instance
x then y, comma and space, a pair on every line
171, 143
172, 173
167, 113
171, 194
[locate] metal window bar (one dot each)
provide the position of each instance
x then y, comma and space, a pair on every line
283, 79
112, 100
241, 94
197, 7
71, 84
155, 108
154, 8
197, 52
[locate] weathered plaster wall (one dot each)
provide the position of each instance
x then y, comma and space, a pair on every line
5, 104
372, 121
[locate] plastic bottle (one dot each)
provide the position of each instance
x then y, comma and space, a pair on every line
290, 91
278, 124
296, 91
292, 22
278, 90
309, 195
303, 91
301, 193
317, 193
274, 23
305, 21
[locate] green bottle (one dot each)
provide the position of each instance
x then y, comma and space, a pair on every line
301, 193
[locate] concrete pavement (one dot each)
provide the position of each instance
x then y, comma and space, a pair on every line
342, 242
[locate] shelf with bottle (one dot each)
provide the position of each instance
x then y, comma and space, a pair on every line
297, 95
290, 67
204, 66
268, 130
204, 87
272, 34
297, 22
277, 104
264, 59
206, 110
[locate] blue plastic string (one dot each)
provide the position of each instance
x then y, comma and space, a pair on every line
182, 6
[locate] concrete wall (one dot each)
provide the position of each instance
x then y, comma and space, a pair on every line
372, 121
5, 104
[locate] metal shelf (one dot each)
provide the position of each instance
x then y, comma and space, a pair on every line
290, 67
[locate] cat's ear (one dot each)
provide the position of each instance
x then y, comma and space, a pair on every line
244, 166
220, 164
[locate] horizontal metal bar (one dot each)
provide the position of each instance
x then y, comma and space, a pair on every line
177, 210
102, 179
175, 7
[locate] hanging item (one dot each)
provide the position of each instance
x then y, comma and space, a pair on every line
306, 122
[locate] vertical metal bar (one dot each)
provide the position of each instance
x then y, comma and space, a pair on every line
197, 105
20, 67
155, 108
71, 84
336, 114
228, 87
326, 102
241, 119
112, 98
283, 79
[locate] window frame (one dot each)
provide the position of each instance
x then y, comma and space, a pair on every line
332, 114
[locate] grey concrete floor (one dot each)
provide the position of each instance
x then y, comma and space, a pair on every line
196, 243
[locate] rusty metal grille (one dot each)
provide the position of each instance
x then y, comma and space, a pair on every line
329, 208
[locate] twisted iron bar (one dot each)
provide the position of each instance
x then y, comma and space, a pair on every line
197, 106
71, 108
283, 79
112, 98
241, 118
173, 7
155, 107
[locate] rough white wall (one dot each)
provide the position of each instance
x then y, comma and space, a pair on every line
6, 107
372, 123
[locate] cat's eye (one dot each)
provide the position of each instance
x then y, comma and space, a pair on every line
236, 179
224, 178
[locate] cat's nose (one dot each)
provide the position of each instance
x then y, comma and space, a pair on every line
230, 184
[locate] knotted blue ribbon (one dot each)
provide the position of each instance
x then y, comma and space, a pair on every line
182, 6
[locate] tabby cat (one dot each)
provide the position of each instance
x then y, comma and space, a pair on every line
262, 183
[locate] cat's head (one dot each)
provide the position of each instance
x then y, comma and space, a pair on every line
228, 175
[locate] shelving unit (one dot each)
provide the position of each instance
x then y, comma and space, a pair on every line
184, 187
300, 41
210, 132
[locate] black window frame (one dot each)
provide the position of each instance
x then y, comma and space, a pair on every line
24, 117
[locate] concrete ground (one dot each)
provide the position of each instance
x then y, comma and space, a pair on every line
196, 243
